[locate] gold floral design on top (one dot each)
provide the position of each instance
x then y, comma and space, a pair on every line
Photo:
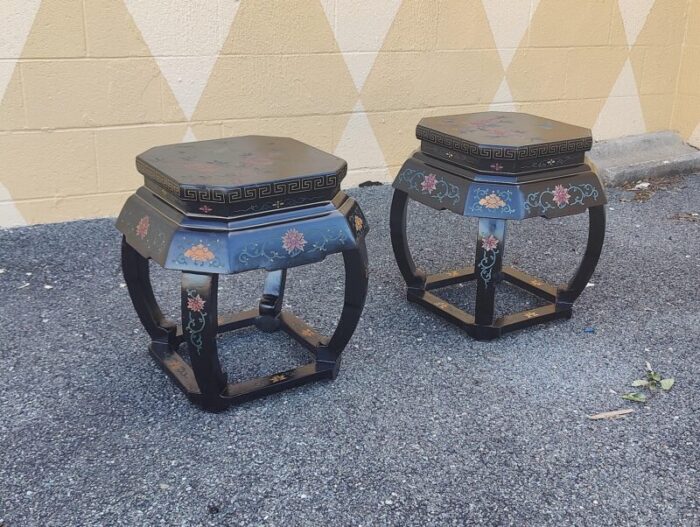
200, 253
492, 201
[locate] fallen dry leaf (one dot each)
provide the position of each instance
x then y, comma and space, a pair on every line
612, 415
644, 190
686, 216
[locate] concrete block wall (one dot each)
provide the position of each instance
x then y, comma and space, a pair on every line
686, 114
85, 85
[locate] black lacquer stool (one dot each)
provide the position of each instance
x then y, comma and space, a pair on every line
232, 205
498, 166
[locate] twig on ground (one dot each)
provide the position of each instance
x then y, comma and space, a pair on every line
615, 414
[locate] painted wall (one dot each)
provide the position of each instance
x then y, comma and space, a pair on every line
686, 115
85, 85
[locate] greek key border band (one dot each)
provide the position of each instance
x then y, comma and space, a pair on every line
241, 194
501, 152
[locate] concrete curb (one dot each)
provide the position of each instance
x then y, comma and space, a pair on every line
644, 156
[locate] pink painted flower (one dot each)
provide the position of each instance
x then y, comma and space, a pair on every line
205, 209
196, 304
561, 195
293, 240
489, 243
142, 227
429, 183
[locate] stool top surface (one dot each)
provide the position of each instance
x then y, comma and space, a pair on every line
503, 129
507, 142
238, 162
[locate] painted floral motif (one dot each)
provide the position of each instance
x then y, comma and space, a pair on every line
429, 183
196, 303
359, 223
197, 320
530, 314
255, 163
205, 209
489, 257
293, 241
485, 200
496, 127
492, 201
267, 253
561, 196
255, 160
489, 243
274, 379
200, 253
439, 189
497, 167
142, 227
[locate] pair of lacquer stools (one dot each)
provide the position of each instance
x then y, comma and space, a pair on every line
232, 205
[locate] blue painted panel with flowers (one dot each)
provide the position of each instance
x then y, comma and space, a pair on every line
493, 201
432, 187
268, 247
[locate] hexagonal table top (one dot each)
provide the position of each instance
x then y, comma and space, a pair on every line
507, 142
239, 161
504, 128
241, 175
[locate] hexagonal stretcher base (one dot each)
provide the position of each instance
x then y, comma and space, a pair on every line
488, 271
505, 324
181, 372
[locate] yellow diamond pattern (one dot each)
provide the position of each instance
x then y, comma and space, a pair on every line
85, 86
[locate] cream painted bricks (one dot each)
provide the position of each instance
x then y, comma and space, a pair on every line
87, 85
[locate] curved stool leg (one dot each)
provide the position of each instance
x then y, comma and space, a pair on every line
594, 246
163, 332
199, 328
356, 283
415, 278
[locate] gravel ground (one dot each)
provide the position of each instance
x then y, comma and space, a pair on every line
424, 426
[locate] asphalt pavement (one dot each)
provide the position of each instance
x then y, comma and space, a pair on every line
423, 426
